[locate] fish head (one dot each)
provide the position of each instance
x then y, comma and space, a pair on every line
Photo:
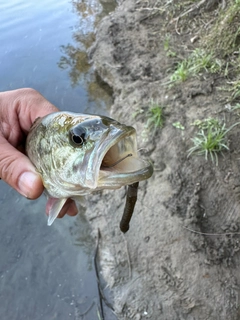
77, 154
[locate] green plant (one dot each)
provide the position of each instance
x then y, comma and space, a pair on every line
181, 73
203, 60
166, 46
198, 61
137, 112
224, 36
235, 89
210, 139
178, 125
206, 123
155, 117
236, 107
166, 42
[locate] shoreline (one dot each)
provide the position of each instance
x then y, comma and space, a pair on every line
160, 269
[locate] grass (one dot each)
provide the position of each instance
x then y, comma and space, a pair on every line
199, 61
218, 41
166, 46
236, 107
181, 73
235, 90
154, 116
225, 33
204, 61
210, 139
224, 40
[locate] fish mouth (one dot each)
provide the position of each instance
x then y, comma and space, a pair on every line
118, 162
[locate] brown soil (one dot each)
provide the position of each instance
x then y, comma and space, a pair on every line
160, 269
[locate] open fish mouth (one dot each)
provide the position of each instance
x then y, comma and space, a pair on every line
118, 162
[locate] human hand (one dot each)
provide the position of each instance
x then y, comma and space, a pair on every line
18, 110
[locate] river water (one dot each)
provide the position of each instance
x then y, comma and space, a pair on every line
47, 272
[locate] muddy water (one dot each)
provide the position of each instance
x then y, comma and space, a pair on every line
47, 272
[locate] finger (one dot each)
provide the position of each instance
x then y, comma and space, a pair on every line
72, 210
69, 208
18, 111
17, 170
22, 106
30, 105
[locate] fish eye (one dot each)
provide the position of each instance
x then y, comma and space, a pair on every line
77, 137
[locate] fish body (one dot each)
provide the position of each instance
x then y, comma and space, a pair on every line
77, 154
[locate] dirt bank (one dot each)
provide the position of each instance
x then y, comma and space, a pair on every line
160, 269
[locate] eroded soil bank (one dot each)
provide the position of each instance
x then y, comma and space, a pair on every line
160, 269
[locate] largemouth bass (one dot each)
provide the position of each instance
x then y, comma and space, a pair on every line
77, 154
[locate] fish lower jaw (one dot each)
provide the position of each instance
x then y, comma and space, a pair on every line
113, 179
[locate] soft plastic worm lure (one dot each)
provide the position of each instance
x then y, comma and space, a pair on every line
131, 199
129, 206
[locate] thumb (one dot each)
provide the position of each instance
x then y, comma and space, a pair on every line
17, 170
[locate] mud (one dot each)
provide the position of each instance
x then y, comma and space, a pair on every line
180, 258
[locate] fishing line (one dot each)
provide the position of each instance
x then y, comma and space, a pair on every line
117, 162
212, 234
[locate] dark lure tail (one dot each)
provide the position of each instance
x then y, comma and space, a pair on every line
129, 206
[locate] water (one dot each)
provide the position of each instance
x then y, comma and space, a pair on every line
47, 272
43, 45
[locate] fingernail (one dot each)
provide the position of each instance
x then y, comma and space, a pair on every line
27, 183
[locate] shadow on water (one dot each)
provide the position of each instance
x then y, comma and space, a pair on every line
47, 272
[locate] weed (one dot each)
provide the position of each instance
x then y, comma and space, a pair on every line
171, 54
166, 42
178, 125
198, 61
206, 123
204, 61
155, 117
236, 107
210, 139
235, 89
166, 47
225, 33
181, 73
137, 112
